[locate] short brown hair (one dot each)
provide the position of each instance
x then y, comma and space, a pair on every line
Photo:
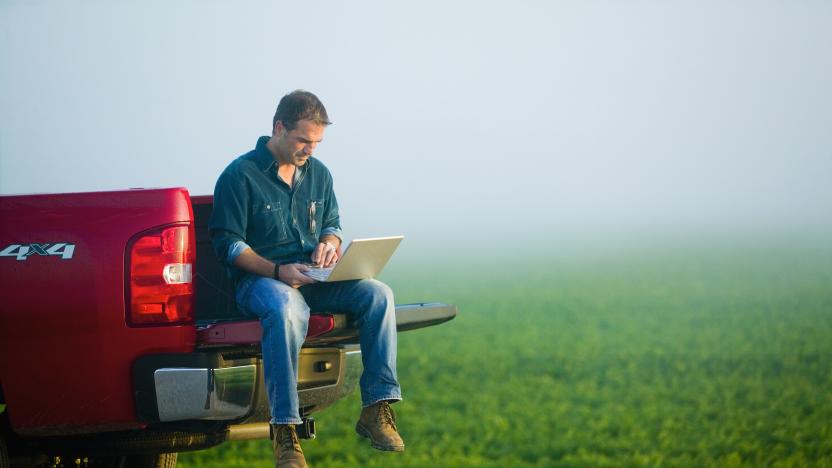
300, 105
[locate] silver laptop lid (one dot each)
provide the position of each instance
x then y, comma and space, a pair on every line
363, 258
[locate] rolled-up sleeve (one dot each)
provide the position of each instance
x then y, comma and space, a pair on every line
331, 220
229, 219
235, 250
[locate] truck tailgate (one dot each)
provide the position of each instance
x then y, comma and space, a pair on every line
324, 329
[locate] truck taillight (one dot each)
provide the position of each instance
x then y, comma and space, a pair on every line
159, 289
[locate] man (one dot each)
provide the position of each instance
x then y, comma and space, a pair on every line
274, 212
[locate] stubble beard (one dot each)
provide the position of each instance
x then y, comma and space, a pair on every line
299, 160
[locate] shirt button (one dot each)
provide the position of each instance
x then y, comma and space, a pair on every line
268, 207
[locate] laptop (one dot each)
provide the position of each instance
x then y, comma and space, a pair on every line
364, 258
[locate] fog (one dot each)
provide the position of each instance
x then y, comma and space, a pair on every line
456, 123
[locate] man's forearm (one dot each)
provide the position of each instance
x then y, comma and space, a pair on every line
291, 274
251, 262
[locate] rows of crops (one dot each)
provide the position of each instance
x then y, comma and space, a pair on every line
695, 358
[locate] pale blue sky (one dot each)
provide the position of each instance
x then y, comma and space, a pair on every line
452, 119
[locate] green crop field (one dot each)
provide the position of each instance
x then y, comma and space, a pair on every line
653, 357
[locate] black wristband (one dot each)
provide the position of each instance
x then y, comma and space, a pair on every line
276, 270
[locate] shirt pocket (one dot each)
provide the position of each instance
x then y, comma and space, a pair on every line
312, 216
269, 226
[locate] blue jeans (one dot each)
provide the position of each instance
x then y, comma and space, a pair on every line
284, 314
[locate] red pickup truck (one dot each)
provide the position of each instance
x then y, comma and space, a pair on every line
120, 342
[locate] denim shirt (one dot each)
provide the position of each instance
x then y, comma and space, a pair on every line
254, 208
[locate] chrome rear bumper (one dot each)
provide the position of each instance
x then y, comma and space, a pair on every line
212, 388
212, 394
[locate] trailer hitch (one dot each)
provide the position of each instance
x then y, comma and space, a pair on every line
304, 430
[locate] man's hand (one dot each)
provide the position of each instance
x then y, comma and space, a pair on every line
325, 254
291, 274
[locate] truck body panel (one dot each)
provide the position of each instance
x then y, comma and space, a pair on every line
65, 346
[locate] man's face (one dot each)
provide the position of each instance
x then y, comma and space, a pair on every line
297, 145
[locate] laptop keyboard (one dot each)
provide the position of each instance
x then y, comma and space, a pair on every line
319, 274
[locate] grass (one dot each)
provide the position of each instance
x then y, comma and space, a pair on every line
698, 357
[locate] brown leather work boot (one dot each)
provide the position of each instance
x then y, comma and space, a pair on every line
378, 423
287, 451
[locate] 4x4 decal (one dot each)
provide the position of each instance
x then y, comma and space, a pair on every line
24, 251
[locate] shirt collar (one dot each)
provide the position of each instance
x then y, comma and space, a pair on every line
262, 156
265, 159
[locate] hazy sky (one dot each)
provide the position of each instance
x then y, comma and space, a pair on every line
458, 119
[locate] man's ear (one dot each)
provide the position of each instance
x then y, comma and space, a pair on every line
278, 129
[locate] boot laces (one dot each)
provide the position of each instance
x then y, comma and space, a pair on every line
289, 439
386, 415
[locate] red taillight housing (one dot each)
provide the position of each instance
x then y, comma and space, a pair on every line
159, 287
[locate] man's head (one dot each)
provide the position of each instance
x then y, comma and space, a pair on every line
300, 105
298, 127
